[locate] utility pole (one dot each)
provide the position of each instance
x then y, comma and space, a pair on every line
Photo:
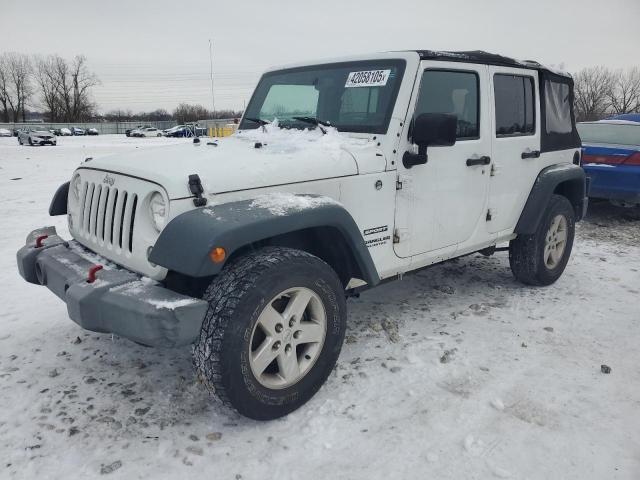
213, 100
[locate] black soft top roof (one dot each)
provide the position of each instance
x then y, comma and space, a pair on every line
479, 56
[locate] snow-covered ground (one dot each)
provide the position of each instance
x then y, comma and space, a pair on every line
457, 372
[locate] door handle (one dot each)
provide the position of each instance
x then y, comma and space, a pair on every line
531, 154
484, 160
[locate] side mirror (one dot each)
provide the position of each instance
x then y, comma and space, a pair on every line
430, 130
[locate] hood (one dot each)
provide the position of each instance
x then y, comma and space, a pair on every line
247, 160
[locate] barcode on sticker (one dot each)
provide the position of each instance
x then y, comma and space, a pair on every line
368, 78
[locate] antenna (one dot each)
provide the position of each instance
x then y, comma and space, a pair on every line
213, 99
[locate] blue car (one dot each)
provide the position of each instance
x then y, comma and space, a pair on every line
611, 160
632, 117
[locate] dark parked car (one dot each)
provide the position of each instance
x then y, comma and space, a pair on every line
186, 131
179, 131
92, 131
611, 160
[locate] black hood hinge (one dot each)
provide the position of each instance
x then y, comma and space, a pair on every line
195, 186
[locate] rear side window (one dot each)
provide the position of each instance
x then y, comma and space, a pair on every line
558, 107
444, 91
515, 105
610, 133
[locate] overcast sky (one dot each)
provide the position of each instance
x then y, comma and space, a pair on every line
154, 54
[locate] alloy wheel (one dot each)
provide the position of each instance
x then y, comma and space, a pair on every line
555, 242
287, 338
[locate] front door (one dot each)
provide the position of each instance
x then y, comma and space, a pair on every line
443, 202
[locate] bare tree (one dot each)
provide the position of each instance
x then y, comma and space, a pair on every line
47, 80
592, 93
71, 82
190, 113
15, 85
81, 81
4, 88
624, 95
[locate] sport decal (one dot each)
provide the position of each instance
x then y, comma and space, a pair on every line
371, 231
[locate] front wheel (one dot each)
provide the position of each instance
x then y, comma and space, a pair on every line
541, 257
273, 331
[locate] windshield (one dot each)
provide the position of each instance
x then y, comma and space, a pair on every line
617, 134
351, 96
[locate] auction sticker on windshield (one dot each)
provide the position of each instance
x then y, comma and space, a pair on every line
368, 78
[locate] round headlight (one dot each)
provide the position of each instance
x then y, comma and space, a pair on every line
158, 210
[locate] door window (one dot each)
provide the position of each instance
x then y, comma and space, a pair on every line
515, 106
456, 92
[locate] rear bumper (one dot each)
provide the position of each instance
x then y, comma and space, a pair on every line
118, 301
619, 182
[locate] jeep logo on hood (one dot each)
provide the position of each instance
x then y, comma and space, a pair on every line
108, 180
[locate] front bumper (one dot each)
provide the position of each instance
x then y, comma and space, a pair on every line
118, 301
43, 141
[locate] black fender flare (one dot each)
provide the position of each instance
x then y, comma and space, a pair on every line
569, 178
185, 243
58, 204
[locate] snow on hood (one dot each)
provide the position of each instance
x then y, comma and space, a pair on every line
235, 163
283, 140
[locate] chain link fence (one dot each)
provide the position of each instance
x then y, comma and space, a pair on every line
105, 128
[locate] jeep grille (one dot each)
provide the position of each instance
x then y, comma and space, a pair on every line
108, 215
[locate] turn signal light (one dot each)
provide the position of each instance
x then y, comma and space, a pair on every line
217, 255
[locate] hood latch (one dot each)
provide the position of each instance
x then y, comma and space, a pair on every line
195, 186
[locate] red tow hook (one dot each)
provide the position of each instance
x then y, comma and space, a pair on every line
41, 239
92, 273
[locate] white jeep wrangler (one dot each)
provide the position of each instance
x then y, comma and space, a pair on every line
343, 174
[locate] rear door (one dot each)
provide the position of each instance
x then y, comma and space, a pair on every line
516, 144
442, 202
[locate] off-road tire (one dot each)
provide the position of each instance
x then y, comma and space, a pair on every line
526, 252
236, 299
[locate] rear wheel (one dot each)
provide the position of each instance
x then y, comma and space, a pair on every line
273, 331
541, 257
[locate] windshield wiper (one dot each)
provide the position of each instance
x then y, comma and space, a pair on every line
314, 121
259, 121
